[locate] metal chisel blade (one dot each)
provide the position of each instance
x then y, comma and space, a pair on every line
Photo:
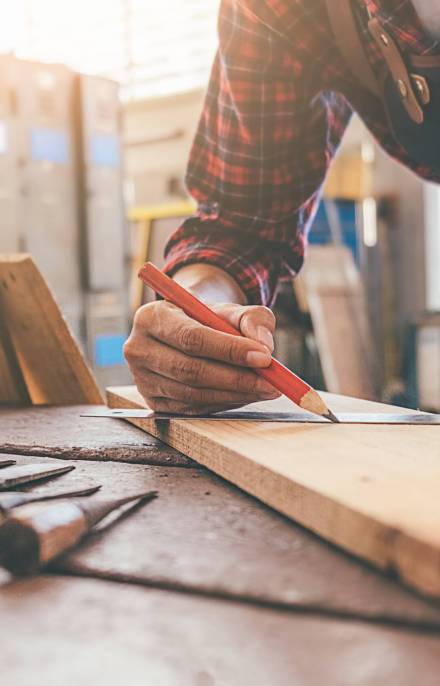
412, 418
7, 463
12, 499
27, 473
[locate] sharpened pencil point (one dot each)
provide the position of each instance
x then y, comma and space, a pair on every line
332, 417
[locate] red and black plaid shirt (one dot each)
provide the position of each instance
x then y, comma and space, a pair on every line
278, 102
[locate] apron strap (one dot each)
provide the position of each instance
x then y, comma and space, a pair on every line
349, 42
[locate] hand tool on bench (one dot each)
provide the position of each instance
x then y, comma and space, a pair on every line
7, 463
11, 499
22, 474
277, 374
34, 535
412, 418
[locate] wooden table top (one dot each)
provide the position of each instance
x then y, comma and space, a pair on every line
202, 586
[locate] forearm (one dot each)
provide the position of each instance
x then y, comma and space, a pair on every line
210, 283
261, 152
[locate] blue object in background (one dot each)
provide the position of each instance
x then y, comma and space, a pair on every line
104, 150
108, 350
320, 232
49, 145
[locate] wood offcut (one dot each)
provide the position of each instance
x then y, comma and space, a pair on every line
40, 361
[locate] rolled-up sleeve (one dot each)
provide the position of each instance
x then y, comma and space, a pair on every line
265, 139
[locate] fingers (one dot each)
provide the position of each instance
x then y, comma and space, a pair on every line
183, 367
156, 389
257, 323
197, 372
172, 326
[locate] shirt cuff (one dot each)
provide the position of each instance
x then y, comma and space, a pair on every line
256, 278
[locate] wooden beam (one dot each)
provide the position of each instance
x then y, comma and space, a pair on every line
330, 286
12, 387
50, 362
372, 489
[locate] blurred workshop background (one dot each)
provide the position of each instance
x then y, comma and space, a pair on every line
98, 104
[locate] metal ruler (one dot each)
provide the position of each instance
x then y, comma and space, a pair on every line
411, 418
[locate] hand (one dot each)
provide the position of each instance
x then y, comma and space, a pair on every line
183, 367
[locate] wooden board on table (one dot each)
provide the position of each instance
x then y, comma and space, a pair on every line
200, 527
330, 288
49, 361
372, 489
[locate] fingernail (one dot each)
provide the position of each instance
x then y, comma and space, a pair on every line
265, 337
257, 359
270, 395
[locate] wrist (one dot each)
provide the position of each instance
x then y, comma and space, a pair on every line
210, 283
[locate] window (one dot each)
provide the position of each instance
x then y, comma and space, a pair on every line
152, 48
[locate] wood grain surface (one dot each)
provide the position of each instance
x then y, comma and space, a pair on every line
62, 432
51, 364
335, 299
206, 537
373, 490
94, 632
12, 387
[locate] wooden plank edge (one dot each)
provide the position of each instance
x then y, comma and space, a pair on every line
390, 550
87, 390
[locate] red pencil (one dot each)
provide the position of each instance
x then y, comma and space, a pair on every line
276, 374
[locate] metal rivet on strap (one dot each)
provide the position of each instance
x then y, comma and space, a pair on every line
403, 88
384, 39
423, 88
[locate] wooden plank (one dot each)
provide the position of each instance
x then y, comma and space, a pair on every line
93, 632
372, 490
50, 361
12, 388
62, 432
333, 289
200, 528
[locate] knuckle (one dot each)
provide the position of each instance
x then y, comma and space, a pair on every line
150, 317
235, 351
132, 352
269, 315
128, 349
191, 339
153, 403
155, 316
266, 315
247, 383
187, 371
143, 315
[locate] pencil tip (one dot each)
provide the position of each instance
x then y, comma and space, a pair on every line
332, 417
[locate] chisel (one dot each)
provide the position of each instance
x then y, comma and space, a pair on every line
27, 473
11, 499
34, 535
7, 463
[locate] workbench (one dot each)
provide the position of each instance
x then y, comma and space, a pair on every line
203, 586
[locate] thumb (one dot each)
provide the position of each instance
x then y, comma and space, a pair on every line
255, 322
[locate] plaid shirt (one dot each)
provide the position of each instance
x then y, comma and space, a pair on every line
278, 102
